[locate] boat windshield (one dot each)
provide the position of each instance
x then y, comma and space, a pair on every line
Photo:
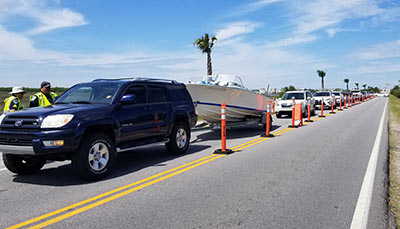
229, 80
296, 95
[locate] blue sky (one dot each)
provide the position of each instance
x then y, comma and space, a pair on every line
276, 42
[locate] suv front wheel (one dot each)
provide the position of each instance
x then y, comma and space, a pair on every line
95, 157
179, 139
22, 165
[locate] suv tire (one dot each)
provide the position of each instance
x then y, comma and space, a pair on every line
179, 139
94, 157
23, 165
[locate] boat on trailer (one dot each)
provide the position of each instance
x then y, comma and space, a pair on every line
241, 104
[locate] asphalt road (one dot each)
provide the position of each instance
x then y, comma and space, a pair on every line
309, 177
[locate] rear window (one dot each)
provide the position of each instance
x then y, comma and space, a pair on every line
179, 93
289, 96
156, 94
322, 94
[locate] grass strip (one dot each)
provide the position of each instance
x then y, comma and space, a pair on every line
394, 157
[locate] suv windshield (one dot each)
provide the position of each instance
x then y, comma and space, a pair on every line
90, 93
336, 93
322, 94
289, 96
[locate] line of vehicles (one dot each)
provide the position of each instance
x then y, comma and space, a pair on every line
327, 99
91, 122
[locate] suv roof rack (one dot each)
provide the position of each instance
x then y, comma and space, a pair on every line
137, 79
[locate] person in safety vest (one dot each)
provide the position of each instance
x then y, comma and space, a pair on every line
13, 103
43, 98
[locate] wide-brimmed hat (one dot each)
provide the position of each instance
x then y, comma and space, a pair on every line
16, 90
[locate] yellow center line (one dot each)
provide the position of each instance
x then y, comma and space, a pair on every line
98, 203
104, 194
264, 139
257, 139
247, 143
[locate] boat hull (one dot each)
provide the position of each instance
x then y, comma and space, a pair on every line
241, 105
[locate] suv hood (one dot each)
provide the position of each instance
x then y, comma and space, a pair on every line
62, 109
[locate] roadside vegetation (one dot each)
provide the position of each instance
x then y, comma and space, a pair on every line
4, 93
394, 155
395, 91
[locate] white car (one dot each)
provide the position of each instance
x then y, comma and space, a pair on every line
324, 98
284, 105
338, 97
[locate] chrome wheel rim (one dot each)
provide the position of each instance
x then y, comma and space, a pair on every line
181, 138
98, 156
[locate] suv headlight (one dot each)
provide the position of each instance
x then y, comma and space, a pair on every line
2, 117
56, 121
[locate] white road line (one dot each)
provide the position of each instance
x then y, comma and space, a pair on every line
360, 217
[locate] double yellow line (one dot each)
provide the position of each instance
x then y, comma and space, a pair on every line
108, 196
101, 199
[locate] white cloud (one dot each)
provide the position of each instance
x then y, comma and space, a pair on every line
297, 39
236, 29
15, 46
254, 6
326, 14
379, 51
44, 13
55, 19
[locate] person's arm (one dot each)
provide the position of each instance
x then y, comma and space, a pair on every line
34, 102
13, 105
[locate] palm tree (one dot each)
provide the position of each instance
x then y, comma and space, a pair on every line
205, 44
356, 85
347, 83
364, 86
321, 74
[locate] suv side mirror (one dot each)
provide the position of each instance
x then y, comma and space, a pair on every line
128, 99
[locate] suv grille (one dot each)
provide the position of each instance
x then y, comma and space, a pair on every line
19, 122
21, 141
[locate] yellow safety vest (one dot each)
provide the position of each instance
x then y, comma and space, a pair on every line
43, 101
8, 101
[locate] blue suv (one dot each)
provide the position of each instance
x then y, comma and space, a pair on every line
91, 122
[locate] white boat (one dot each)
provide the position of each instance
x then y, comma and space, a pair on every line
241, 103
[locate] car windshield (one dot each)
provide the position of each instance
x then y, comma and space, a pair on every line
289, 96
90, 93
322, 94
336, 93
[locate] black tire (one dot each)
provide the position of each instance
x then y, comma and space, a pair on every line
23, 165
95, 157
179, 139
305, 113
313, 111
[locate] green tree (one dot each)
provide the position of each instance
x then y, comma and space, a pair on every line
321, 74
356, 85
347, 84
285, 89
205, 44
364, 86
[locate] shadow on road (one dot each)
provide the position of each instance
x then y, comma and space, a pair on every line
233, 133
125, 163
